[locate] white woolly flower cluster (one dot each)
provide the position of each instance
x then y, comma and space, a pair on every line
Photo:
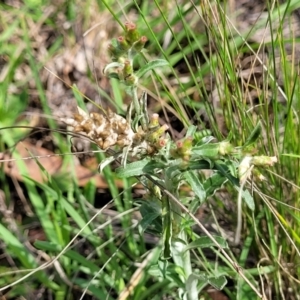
112, 129
105, 130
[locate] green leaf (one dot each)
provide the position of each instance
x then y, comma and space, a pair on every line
196, 185
75, 215
213, 183
225, 170
164, 269
159, 270
203, 137
19, 250
47, 246
174, 172
82, 261
105, 162
200, 164
150, 66
218, 282
248, 199
191, 131
151, 213
167, 228
256, 132
93, 289
78, 96
195, 281
206, 150
113, 65
206, 242
290, 155
137, 168
191, 287
113, 75
243, 290
10, 31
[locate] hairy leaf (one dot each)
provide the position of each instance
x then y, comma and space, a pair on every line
197, 187
206, 242
167, 228
151, 213
105, 162
248, 199
256, 132
218, 282
137, 168
207, 150
213, 183
150, 66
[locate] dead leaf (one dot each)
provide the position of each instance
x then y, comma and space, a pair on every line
52, 164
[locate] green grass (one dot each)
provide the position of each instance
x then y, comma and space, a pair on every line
95, 253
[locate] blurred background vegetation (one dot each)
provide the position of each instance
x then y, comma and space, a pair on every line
233, 63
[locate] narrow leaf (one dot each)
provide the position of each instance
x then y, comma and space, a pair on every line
213, 183
23, 254
191, 131
200, 164
256, 132
226, 172
191, 287
47, 246
113, 75
196, 185
290, 155
218, 282
82, 261
150, 66
78, 96
137, 168
112, 65
105, 162
206, 242
248, 199
167, 228
150, 211
193, 281
207, 150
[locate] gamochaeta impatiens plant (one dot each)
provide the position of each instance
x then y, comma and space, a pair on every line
146, 151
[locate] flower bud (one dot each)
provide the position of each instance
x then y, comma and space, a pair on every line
87, 126
154, 121
140, 44
183, 149
154, 136
113, 52
97, 118
161, 143
257, 175
127, 70
123, 44
264, 161
116, 52
78, 118
185, 145
244, 168
131, 80
225, 148
132, 35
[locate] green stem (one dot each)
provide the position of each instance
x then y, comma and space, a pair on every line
179, 239
137, 108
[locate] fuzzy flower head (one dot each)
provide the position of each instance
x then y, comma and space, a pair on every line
183, 149
105, 130
111, 130
248, 162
